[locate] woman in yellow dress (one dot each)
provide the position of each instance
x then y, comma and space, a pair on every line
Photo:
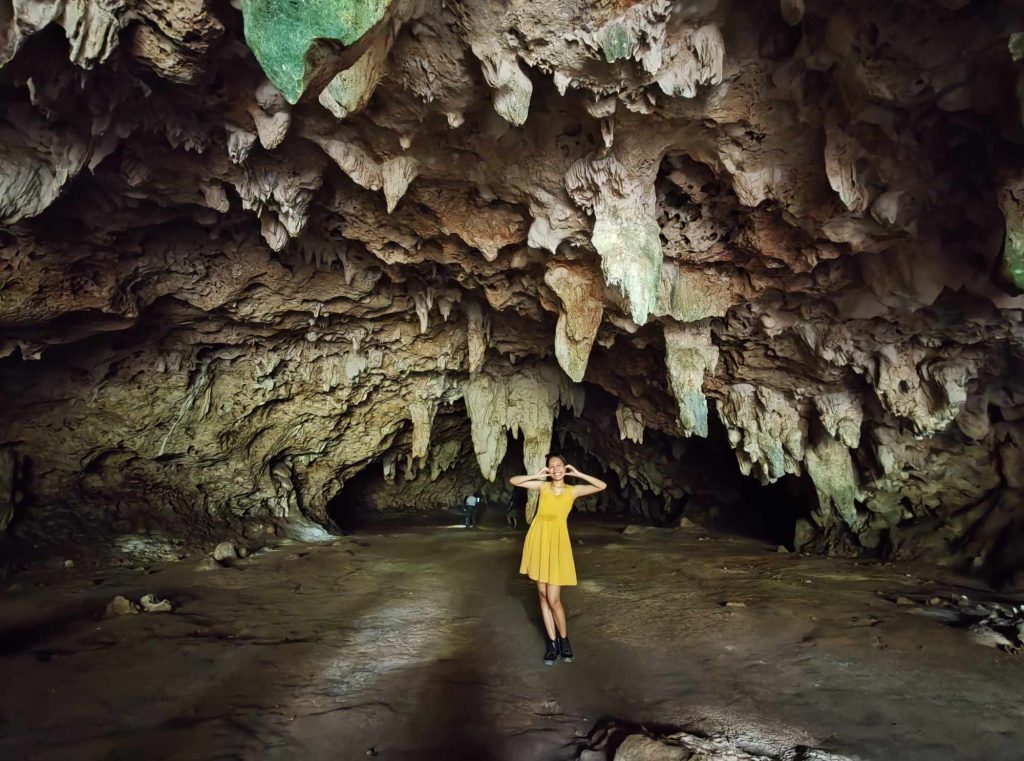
547, 552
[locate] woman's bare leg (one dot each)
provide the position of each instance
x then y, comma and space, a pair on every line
554, 600
545, 610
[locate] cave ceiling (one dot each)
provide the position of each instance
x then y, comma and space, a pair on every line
249, 250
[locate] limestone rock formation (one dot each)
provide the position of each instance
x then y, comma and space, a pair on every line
581, 294
257, 258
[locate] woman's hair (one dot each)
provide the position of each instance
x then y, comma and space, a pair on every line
549, 455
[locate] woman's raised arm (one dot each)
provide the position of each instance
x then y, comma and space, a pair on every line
594, 485
531, 482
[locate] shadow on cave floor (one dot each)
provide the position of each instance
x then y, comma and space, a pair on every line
426, 644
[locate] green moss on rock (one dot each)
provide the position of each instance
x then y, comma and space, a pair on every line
1011, 261
618, 43
1012, 264
284, 35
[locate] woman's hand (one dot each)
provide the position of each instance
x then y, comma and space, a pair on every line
571, 471
543, 472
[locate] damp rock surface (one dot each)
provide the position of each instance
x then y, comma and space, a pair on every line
425, 644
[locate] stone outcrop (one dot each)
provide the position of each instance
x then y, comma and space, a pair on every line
241, 268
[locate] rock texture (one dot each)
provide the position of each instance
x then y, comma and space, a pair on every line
403, 236
683, 746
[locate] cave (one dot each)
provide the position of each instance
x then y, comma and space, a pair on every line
282, 284
349, 509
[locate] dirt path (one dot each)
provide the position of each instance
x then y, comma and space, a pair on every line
425, 644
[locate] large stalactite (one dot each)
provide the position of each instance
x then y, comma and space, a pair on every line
232, 279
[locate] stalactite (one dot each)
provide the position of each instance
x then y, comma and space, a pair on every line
580, 292
689, 356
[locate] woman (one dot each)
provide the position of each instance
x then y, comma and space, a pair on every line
547, 552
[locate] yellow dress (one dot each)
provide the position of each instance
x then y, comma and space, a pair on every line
547, 552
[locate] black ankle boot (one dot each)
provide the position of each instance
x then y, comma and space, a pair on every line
551, 653
565, 649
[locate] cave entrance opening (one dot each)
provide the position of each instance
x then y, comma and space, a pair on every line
350, 508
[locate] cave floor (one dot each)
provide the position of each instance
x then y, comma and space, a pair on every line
424, 643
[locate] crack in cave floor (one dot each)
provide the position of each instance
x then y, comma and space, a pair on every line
424, 643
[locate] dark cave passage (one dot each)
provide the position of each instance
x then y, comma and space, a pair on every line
656, 482
350, 509
665, 478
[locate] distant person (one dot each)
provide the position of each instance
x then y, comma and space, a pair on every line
511, 518
471, 505
547, 551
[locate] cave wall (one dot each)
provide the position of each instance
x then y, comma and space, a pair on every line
238, 267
